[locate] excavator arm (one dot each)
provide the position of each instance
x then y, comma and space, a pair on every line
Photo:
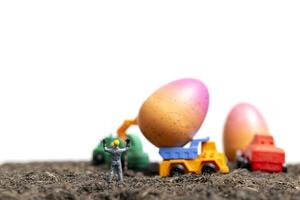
123, 128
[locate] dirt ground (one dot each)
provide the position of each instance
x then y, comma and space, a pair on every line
80, 180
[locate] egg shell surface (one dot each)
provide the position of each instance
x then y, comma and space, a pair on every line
173, 114
242, 123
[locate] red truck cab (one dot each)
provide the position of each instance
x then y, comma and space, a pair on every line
262, 155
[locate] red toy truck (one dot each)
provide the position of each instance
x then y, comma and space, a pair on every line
262, 155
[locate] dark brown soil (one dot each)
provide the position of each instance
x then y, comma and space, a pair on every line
80, 180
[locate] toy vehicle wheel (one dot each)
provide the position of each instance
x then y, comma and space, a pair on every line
98, 159
177, 170
242, 162
209, 168
284, 169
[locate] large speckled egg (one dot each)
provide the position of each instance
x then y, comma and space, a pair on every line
243, 122
173, 114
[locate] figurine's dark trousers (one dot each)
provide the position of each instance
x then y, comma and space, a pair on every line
115, 168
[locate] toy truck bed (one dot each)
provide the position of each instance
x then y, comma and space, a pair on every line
170, 153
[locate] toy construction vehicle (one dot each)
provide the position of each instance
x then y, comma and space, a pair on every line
180, 160
136, 158
262, 155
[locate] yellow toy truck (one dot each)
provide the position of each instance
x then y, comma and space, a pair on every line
179, 160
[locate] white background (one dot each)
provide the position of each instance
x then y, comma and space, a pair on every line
71, 71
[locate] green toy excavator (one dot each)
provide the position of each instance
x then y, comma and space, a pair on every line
135, 158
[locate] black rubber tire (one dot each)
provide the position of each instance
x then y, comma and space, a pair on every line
239, 162
98, 159
177, 170
242, 162
209, 168
284, 168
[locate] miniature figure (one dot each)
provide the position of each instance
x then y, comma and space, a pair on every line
116, 153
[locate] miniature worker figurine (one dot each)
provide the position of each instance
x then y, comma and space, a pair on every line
116, 153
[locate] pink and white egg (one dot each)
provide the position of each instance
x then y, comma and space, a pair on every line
173, 114
242, 123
